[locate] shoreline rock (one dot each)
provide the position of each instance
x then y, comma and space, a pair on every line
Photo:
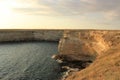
68, 66
84, 47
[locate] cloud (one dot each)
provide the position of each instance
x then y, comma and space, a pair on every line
108, 8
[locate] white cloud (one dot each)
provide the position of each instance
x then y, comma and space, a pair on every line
107, 8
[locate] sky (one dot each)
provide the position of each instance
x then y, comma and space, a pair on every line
59, 14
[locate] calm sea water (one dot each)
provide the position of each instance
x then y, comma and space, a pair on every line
28, 61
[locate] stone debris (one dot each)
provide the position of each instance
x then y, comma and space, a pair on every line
69, 70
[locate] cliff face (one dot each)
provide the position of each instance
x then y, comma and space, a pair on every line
105, 67
25, 35
97, 46
87, 43
48, 35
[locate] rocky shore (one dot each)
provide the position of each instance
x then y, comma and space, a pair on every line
90, 54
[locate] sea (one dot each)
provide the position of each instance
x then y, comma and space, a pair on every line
29, 61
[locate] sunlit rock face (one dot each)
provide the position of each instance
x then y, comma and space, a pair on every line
102, 47
86, 45
105, 67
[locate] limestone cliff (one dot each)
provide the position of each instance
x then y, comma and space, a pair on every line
88, 43
98, 46
30, 35
105, 67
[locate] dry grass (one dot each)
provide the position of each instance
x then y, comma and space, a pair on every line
105, 67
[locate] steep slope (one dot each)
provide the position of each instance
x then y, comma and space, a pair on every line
105, 67
78, 48
88, 42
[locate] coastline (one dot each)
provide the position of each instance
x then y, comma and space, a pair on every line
79, 50
83, 49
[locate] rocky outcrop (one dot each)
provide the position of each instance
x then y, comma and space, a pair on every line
105, 67
86, 46
30, 35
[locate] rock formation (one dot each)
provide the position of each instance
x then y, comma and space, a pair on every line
105, 67
81, 47
87, 43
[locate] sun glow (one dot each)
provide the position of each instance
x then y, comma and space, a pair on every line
6, 13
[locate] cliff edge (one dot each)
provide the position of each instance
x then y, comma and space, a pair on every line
94, 52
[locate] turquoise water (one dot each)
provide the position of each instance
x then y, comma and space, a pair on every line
28, 61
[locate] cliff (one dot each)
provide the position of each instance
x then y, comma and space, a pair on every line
94, 52
30, 35
105, 67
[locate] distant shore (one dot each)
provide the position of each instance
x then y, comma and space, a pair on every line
9, 35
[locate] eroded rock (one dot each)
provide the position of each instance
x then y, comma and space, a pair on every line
82, 47
105, 67
86, 45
